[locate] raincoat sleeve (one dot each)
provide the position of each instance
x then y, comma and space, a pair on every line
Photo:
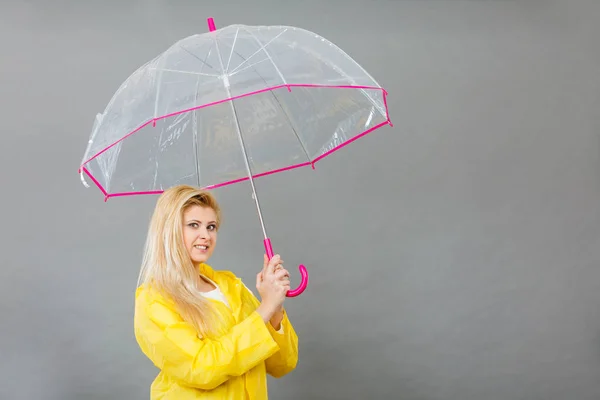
285, 360
174, 346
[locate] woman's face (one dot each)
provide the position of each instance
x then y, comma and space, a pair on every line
199, 232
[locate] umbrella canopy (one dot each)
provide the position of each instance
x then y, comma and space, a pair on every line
297, 98
230, 105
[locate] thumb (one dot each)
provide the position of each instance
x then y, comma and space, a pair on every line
258, 279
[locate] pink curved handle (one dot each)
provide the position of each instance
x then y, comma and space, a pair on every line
303, 283
303, 272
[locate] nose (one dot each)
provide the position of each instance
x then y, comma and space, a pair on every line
203, 232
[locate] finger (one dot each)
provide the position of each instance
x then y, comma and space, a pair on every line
281, 274
284, 285
258, 280
272, 263
275, 260
279, 266
267, 267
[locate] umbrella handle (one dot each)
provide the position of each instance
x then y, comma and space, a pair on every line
302, 268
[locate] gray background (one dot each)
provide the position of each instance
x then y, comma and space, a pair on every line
452, 257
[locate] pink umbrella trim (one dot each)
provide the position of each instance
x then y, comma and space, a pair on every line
304, 164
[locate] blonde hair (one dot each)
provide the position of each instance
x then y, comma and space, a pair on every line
166, 264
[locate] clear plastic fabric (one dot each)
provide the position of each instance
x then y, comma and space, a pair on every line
294, 96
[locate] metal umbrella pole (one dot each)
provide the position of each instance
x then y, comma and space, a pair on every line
267, 240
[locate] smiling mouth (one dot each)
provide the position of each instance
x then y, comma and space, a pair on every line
201, 247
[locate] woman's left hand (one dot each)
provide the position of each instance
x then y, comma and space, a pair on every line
281, 274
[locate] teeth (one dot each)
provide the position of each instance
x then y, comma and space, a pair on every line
201, 247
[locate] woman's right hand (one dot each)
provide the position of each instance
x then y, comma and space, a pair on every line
272, 287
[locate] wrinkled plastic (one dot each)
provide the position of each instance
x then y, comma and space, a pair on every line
297, 98
231, 365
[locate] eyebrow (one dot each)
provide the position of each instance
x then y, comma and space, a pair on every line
195, 220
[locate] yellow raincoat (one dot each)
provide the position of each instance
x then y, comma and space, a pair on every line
233, 366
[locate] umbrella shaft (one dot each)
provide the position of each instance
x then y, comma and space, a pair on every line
239, 132
243, 145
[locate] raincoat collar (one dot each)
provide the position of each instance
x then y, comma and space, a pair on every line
206, 270
231, 286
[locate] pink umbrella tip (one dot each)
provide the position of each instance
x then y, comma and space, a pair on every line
211, 24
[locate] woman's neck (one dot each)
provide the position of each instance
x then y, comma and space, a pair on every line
205, 285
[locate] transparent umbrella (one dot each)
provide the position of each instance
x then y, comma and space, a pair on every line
231, 105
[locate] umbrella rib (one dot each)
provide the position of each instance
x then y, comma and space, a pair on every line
256, 52
158, 83
282, 109
195, 127
246, 67
231, 52
350, 80
263, 47
275, 97
291, 124
158, 86
237, 71
195, 120
195, 56
187, 72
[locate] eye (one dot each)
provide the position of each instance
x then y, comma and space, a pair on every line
193, 224
212, 227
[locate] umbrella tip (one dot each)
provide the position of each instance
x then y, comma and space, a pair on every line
211, 24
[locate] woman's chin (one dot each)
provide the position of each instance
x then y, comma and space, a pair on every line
200, 258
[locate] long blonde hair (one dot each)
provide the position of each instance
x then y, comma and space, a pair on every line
166, 264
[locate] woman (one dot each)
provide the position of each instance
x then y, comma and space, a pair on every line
204, 329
